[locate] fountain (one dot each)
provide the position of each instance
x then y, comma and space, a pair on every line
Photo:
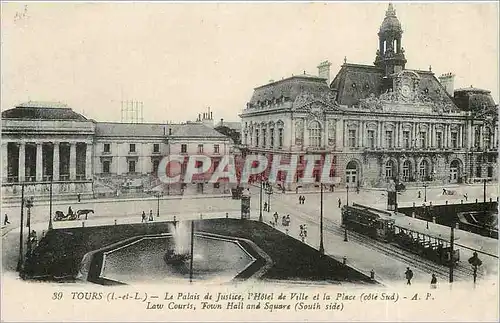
179, 254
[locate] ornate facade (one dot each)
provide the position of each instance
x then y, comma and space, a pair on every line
379, 122
48, 142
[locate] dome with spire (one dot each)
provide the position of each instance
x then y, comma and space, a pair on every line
391, 22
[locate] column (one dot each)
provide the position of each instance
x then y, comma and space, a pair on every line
415, 134
400, 135
360, 134
55, 162
481, 132
39, 162
22, 160
379, 135
495, 137
460, 136
72, 161
5, 161
469, 135
88, 161
346, 134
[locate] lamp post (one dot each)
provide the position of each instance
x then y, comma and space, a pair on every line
20, 260
321, 246
29, 205
260, 201
50, 205
269, 192
425, 191
475, 262
345, 224
452, 242
158, 195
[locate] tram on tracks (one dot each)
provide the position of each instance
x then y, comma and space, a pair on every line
379, 225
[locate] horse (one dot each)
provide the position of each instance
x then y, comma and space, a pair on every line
84, 212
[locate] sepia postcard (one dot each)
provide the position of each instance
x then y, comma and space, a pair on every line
249, 161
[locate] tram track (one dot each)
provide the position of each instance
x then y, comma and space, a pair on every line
460, 272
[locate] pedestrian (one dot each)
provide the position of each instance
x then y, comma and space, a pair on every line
265, 206
303, 199
419, 194
357, 189
6, 220
300, 199
288, 220
408, 275
340, 203
276, 218
79, 197
433, 281
283, 221
304, 226
465, 196
301, 235
143, 217
151, 215
444, 191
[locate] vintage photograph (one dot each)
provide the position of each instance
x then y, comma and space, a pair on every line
321, 161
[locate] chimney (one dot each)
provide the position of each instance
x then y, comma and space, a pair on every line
448, 80
199, 116
208, 114
324, 71
211, 115
169, 131
221, 122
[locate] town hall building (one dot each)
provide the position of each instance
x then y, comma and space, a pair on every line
380, 122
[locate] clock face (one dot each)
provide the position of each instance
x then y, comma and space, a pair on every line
405, 90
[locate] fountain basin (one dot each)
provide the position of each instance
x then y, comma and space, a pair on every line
141, 260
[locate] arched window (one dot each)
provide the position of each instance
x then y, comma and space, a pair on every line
406, 170
424, 170
487, 137
315, 134
389, 169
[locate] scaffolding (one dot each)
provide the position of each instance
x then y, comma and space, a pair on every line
132, 111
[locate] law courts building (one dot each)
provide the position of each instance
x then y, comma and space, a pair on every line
44, 142
379, 121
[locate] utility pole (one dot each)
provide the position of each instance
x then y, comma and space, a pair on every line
452, 247
192, 254
50, 205
260, 201
321, 246
20, 260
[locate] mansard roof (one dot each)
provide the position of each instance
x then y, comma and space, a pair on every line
289, 88
42, 111
194, 130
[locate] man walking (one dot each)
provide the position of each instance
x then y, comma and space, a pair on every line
340, 203
6, 220
433, 281
276, 218
150, 215
408, 275
143, 217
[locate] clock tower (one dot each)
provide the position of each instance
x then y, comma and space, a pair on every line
390, 55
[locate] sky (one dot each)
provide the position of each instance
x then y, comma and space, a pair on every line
180, 58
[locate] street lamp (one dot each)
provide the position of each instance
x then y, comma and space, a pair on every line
321, 246
20, 260
260, 202
50, 205
347, 187
29, 205
158, 195
475, 262
269, 191
425, 191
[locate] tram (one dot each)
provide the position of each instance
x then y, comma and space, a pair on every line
368, 221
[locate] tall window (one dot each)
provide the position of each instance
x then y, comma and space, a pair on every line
105, 167
184, 148
256, 137
271, 135
156, 148
476, 137
439, 139
406, 170
423, 141
389, 169
216, 149
315, 134
424, 170
486, 137
264, 138
406, 139
371, 138
107, 148
246, 139
280, 137
454, 140
352, 138
131, 166
132, 148
388, 139
200, 148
